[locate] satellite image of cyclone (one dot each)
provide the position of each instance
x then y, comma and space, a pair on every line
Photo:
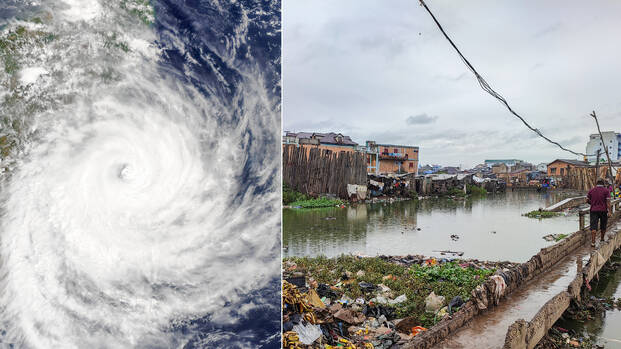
139, 174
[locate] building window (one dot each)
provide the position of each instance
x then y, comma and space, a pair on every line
411, 165
562, 171
553, 170
396, 150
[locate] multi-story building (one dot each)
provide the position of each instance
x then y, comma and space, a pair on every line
330, 140
391, 158
612, 141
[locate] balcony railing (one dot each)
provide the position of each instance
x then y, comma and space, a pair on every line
393, 156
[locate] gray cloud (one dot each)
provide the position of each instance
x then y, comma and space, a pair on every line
547, 30
360, 67
420, 119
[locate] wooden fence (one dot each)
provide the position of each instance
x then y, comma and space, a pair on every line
315, 171
583, 178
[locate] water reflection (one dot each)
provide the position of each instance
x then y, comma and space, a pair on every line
489, 228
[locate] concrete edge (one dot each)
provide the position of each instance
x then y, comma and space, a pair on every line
526, 335
484, 299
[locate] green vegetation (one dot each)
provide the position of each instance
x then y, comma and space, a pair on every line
416, 282
294, 198
316, 203
456, 192
13, 40
475, 190
560, 237
471, 189
541, 214
112, 40
141, 9
289, 195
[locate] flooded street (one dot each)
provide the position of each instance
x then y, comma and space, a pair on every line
489, 228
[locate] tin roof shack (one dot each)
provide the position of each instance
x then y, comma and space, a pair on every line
515, 178
391, 185
500, 168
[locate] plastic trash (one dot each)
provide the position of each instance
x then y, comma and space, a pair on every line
383, 288
456, 302
366, 287
307, 333
380, 300
433, 302
402, 298
417, 329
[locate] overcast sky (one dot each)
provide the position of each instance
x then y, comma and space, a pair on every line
381, 70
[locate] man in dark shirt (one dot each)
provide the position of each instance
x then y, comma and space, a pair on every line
599, 199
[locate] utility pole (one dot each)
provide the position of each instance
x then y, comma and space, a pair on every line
605, 148
597, 166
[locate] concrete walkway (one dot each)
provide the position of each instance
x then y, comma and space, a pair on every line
489, 329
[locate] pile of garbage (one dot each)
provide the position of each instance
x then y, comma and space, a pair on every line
349, 312
408, 260
559, 337
324, 318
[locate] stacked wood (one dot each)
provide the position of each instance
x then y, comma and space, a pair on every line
314, 171
583, 178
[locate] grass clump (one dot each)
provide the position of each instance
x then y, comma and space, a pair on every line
560, 237
456, 192
539, 214
416, 281
289, 195
317, 203
475, 190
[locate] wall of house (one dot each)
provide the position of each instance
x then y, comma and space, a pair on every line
501, 168
559, 169
392, 166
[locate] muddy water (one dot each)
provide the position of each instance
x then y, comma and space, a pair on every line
607, 329
490, 228
488, 330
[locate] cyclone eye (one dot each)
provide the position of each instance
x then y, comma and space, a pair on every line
126, 172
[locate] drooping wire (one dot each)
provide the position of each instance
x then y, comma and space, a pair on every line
487, 88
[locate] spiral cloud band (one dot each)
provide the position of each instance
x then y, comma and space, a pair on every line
140, 192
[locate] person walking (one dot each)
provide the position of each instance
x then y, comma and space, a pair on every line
599, 199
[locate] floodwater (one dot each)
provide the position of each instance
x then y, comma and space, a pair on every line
607, 329
489, 329
489, 228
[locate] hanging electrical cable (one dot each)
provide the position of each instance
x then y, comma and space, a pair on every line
487, 88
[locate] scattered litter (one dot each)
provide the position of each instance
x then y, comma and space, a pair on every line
307, 334
433, 302
402, 298
454, 237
